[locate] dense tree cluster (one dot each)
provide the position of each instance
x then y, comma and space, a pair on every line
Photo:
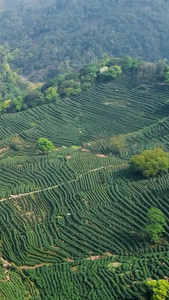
160, 289
150, 162
12, 89
69, 84
44, 145
42, 44
155, 224
16, 95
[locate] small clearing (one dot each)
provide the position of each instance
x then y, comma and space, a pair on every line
69, 259
75, 269
25, 267
5, 263
116, 264
95, 257
68, 156
84, 150
101, 155
4, 149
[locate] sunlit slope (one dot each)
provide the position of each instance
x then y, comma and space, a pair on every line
71, 221
77, 207
118, 107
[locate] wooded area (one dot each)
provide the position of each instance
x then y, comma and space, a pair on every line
46, 41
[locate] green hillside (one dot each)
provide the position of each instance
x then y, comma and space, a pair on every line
71, 221
46, 41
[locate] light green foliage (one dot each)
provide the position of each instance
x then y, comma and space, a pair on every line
6, 103
155, 224
117, 142
160, 289
150, 162
18, 102
112, 72
11, 87
44, 145
51, 94
68, 91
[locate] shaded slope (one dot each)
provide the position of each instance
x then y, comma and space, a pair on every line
46, 41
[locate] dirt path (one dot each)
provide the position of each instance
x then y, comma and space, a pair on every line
95, 257
6, 264
25, 267
62, 183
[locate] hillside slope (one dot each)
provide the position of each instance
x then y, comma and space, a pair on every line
71, 222
48, 41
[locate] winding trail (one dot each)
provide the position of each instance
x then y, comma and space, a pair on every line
63, 183
25, 267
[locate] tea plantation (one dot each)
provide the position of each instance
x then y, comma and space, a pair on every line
71, 221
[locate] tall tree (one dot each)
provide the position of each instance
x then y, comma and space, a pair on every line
44, 145
160, 289
155, 224
150, 162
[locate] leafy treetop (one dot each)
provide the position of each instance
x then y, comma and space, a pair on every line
160, 289
80, 38
150, 162
155, 224
44, 145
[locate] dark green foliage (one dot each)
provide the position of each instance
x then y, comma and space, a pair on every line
127, 62
43, 45
32, 99
155, 224
70, 84
14, 146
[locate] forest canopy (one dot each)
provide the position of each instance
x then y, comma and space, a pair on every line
17, 94
43, 46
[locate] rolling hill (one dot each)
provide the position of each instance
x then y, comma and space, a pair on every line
71, 221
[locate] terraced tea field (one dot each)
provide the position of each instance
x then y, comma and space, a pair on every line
106, 110
71, 221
